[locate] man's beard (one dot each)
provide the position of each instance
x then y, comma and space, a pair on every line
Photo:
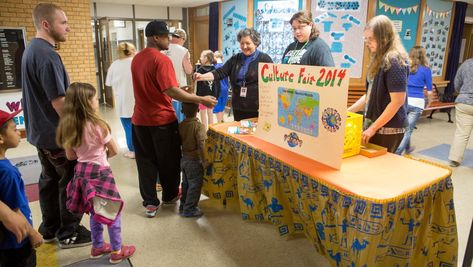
56, 36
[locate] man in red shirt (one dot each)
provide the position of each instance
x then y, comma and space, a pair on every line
155, 127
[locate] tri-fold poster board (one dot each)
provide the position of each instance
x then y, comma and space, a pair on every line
303, 109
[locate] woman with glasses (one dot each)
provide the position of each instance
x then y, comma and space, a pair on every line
308, 48
388, 70
242, 70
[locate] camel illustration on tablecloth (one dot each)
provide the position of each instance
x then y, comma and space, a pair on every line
218, 182
248, 202
358, 246
336, 257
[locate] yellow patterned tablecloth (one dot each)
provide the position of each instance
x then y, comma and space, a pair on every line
384, 211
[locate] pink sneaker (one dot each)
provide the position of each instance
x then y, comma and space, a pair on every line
98, 252
124, 253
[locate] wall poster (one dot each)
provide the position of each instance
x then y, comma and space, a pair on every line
303, 109
341, 25
435, 31
405, 14
12, 44
233, 20
272, 22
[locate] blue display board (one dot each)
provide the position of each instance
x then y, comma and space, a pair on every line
272, 22
341, 24
435, 31
233, 20
405, 15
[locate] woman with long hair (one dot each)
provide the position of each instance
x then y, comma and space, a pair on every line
420, 77
384, 101
308, 48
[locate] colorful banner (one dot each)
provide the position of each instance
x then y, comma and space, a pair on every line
303, 109
435, 32
405, 16
397, 10
233, 20
341, 29
437, 14
272, 22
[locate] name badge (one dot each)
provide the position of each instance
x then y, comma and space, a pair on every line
243, 91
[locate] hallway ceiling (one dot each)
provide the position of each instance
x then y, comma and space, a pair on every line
170, 3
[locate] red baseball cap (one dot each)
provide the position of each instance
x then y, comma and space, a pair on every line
4, 116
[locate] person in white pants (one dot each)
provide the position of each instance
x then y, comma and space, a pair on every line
463, 111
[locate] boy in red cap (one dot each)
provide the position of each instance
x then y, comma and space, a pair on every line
12, 193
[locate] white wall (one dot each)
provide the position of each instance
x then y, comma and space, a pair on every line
141, 11
114, 10
151, 12
175, 13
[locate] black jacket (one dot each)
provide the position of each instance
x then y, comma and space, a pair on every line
231, 68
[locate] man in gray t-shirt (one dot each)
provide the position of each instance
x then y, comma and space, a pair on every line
45, 81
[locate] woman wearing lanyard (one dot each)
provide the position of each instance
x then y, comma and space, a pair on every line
309, 48
242, 69
384, 102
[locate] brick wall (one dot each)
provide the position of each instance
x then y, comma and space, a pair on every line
77, 52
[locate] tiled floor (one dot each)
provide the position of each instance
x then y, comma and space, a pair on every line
220, 237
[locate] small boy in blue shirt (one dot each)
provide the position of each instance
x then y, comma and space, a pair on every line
12, 194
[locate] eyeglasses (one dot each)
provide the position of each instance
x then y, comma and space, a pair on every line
369, 39
302, 26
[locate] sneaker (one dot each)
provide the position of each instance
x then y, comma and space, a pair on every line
173, 201
151, 211
454, 163
49, 238
98, 252
80, 238
124, 253
196, 213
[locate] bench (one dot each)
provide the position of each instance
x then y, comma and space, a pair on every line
437, 104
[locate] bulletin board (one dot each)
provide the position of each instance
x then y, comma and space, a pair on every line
405, 15
341, 24
12, 43
272, 22
435, 33
233, 20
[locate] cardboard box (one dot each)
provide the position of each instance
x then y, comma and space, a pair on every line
371, 150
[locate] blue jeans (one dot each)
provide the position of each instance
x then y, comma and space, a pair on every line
413, 114
192, 179
126, 122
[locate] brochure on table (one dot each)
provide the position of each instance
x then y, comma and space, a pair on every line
303, 109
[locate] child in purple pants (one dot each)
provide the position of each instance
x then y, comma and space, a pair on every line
86, 138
